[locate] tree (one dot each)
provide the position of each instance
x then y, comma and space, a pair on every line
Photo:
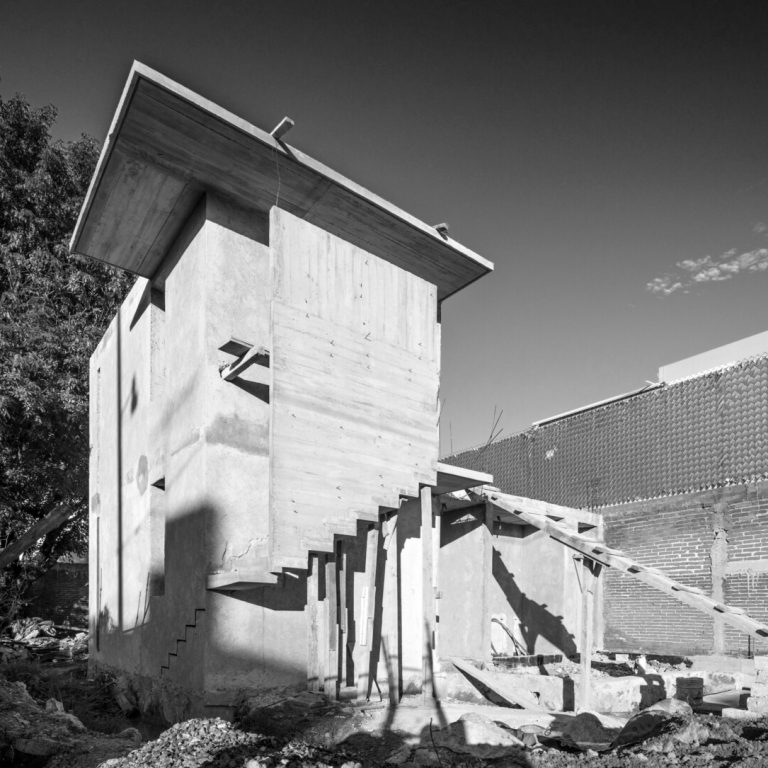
54, 307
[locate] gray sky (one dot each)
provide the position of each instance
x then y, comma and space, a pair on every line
611, 158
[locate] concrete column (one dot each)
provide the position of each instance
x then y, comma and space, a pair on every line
719, 562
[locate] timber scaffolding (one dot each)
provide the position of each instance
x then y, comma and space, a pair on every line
546, 517
543, 516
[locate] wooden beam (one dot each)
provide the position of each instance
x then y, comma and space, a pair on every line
535, 513
342, 570
502, 684
555, 512
427, 594
590, 570
313, 656
332, 663
322, 622
257, 355
53, 520
365, 641
390, 622
437, 517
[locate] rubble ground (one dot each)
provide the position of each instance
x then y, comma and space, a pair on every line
53, 715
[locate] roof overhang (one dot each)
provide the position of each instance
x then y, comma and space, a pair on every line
167, 146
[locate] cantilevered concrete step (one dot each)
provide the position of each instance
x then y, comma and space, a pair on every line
289, 547
540, 514
242, 576
240, 579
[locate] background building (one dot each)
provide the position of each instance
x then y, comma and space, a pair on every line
677, 470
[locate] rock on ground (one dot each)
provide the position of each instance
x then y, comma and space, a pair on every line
215, 743
31, 731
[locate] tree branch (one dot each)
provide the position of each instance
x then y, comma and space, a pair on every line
53, 520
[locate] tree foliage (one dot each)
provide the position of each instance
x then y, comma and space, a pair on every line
54, 307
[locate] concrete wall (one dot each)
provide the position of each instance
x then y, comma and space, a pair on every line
160, 413
516, 572
716, 540
464, 584
355, 381
410, 599
183, 484
534, 582
119, 560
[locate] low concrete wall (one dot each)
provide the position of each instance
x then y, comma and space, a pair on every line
491, 569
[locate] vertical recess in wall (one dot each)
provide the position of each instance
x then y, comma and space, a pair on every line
157, 539
157, 502
119, 463
94, 529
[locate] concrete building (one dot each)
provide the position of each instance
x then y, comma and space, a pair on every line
677, 471
267, 506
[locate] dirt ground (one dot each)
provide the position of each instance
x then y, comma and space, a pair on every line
87, 729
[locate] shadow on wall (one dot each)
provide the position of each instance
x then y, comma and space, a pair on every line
131, 588
535, 620
187, 651
257, 638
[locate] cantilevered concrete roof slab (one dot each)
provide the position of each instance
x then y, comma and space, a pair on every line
451, 478
167, 146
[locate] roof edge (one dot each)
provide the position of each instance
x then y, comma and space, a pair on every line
140, 71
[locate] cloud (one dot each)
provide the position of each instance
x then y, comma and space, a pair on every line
690, 272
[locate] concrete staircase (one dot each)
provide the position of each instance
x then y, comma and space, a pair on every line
339, 472
320, 535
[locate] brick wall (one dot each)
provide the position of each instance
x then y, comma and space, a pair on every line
677, 535
746, 583
696, 452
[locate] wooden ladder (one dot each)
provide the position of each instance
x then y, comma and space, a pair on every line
540, 514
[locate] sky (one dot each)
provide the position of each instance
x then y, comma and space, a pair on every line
611, 158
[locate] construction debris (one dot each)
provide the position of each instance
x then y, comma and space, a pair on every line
36, 638
758, 698
215, 742
504, 687
28, 730
309, 729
